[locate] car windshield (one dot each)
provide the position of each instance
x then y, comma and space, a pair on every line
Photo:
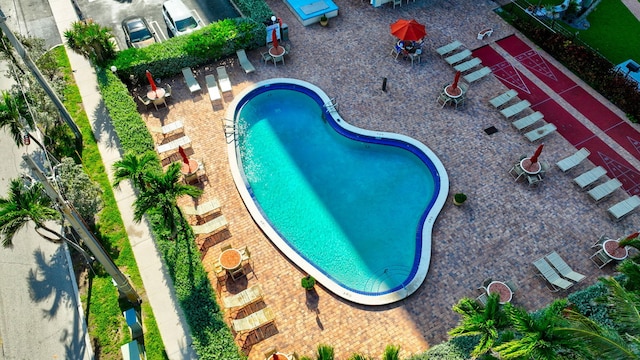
186, 24
138, 31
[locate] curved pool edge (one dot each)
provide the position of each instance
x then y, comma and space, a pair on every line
281, 244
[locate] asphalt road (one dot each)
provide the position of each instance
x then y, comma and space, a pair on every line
38, 305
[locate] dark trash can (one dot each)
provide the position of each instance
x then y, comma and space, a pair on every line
284, 32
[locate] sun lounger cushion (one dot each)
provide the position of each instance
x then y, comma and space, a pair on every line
244, 61
502, 99
604, 190
515, 109
477, 75
191, 81
467, 65
173, 144
210, 206
223, 79
540, 132
624, 207
443, 50
528, 120
212, 226
591, 176
573, 160
458, 57
212, 87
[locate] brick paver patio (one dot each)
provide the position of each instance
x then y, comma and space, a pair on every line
497, 233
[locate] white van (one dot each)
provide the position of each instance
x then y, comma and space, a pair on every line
179, 18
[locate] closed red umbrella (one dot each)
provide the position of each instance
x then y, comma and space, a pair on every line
183, 155
151, 82
409, 30
455, 80
633, 236
274, 38
534, 158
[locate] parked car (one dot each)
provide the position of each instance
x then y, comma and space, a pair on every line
179, 18
137, 32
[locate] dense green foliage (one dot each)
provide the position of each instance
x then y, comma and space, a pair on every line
213, 42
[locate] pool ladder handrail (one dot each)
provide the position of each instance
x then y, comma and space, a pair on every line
230, 130
331, 105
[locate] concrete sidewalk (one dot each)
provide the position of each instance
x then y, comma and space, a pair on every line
157, 283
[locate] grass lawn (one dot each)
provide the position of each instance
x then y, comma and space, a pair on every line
107, 327
614, 32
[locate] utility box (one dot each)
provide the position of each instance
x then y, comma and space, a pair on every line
131, 316
284, 32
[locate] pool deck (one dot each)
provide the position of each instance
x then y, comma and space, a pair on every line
497, 233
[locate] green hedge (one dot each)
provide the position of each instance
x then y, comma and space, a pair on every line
215, 41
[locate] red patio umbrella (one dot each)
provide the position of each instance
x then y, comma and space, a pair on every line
274, 38
151, 82
534, 158
409, 30
183, 155
455, 80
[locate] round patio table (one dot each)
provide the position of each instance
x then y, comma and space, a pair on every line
276, 52
453, 93
190, 168
502, 289
158, 94
230, 259
615, 252
529, 167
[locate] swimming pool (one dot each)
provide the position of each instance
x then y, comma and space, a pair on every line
352, 207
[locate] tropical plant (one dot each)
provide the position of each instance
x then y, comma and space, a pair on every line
486, 322
391, 352
308, 282
359, 357
84, 194
325, 352
541, 335
133, 167
605, 342
15, 116
91, 40
25, 203
161, 193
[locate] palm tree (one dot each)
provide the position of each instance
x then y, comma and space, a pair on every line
91, 41
604, 342
484, 321
24, 204
541, 336
161, 192
14, 115
132, 167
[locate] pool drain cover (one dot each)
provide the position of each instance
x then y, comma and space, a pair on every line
491, 130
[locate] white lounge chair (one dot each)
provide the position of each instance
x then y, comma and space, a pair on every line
191, 81
515, 109
443, 50
208, 207
223, 79
254, 321
467, 65
502, 99
477, 75
244, 298
172, 145
624, 207
539, 133
563, 268
547, 272
604, 190
573, 160
590, 177
244, 61
455, 58
169, 128
528, 120
212, 226
212, 88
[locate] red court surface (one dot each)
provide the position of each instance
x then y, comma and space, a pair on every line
568, 126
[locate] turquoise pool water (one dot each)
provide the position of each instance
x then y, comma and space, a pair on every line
352, 207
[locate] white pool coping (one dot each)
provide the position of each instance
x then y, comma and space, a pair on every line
324, 280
